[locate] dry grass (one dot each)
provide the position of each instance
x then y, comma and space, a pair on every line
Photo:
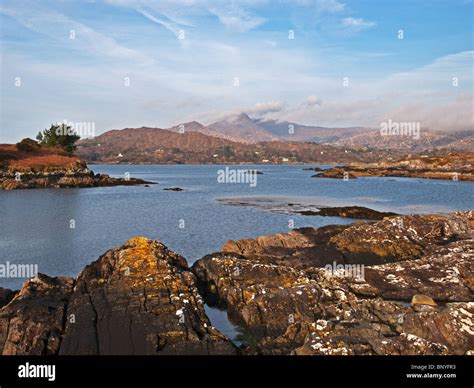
42, 158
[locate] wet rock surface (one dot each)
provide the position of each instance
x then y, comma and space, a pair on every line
275, 288
139, 298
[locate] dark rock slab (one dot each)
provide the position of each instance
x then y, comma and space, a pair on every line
6, 295
33, 321
140, 298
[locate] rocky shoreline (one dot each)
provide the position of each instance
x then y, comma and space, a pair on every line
26, 165
450, 167
74, 178
410, 292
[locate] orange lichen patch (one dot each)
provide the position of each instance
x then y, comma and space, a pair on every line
140, 250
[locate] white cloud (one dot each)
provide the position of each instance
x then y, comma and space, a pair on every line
357, 24
313, 100
169, 25
424, 94
237, 19
331, 5
262, 108
321, 5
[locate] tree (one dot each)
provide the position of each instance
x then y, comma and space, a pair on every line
226, 151
59, 135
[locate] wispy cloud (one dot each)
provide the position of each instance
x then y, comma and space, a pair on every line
237, 18
168, 24
357, 24
58, 27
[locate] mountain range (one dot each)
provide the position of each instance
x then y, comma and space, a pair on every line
241, 128
240, 138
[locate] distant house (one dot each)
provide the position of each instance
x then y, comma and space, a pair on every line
119, 156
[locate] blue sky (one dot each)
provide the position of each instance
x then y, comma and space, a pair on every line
183, 56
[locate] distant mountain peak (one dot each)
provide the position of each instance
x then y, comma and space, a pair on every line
238, 118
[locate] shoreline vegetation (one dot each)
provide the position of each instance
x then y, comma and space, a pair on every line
290, 293
27, 165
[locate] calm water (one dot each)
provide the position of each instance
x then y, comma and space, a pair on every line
35, 224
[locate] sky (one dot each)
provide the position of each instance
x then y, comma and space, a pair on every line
133, 63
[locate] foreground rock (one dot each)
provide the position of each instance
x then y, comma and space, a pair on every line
275, 288
139, 298
32, 323
389, 240
452, 167
6, 295
26, 165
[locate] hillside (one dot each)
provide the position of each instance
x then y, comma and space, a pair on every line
156, 145
28, 156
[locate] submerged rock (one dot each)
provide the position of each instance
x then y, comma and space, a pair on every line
173, 189
359, 212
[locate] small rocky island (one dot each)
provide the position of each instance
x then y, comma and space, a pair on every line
454, 166
290, 294
27, 165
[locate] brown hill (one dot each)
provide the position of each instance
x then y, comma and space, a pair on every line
155, 145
